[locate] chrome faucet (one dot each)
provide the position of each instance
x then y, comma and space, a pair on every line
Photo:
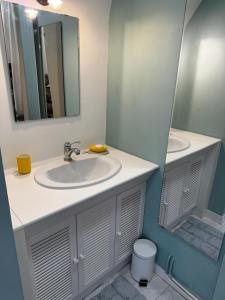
68, 150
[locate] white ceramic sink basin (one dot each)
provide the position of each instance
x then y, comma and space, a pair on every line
177, 143
82, 171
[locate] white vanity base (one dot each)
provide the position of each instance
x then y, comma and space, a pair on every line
71, 253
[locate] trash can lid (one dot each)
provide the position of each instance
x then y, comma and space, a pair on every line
144, 248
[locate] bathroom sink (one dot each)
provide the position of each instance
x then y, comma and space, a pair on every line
177, 143
83, 171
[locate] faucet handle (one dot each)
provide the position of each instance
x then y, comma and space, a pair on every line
68, 144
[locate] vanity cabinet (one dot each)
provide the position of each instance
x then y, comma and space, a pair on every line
70, 257
181, 189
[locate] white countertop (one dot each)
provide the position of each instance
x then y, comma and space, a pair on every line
16, 224
31, 202
198, 143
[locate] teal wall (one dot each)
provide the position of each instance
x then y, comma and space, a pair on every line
220, 286
200, 98
10, 284
144, 48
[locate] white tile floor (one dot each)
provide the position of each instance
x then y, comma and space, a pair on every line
157, 289
201, 235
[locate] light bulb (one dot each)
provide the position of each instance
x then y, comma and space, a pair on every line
56, 4
31, 13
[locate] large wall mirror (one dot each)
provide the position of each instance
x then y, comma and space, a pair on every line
42, 50
193, 193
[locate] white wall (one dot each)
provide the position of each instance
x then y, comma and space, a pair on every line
44, 139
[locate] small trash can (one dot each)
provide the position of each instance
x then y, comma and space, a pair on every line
143, 260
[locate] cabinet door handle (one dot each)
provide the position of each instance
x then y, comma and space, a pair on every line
186, 190
81, 257
75, 261
119, 233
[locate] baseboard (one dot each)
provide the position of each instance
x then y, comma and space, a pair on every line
215, 217
176, 286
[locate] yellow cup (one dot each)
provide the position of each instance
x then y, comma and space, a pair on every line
23, 163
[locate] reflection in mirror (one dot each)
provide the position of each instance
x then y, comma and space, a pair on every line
42, 51
52, 63
193, 193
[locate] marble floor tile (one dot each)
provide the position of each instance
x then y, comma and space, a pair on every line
157, 289
170, 294
154, 289
201, 235
216, 242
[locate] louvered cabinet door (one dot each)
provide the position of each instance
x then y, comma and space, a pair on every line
53, 256
96, 236
129, 221
192, 184
171, 197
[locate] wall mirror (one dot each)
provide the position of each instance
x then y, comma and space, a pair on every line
42, 52
193, 193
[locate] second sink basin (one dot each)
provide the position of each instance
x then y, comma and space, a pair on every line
177, 143
82, 171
